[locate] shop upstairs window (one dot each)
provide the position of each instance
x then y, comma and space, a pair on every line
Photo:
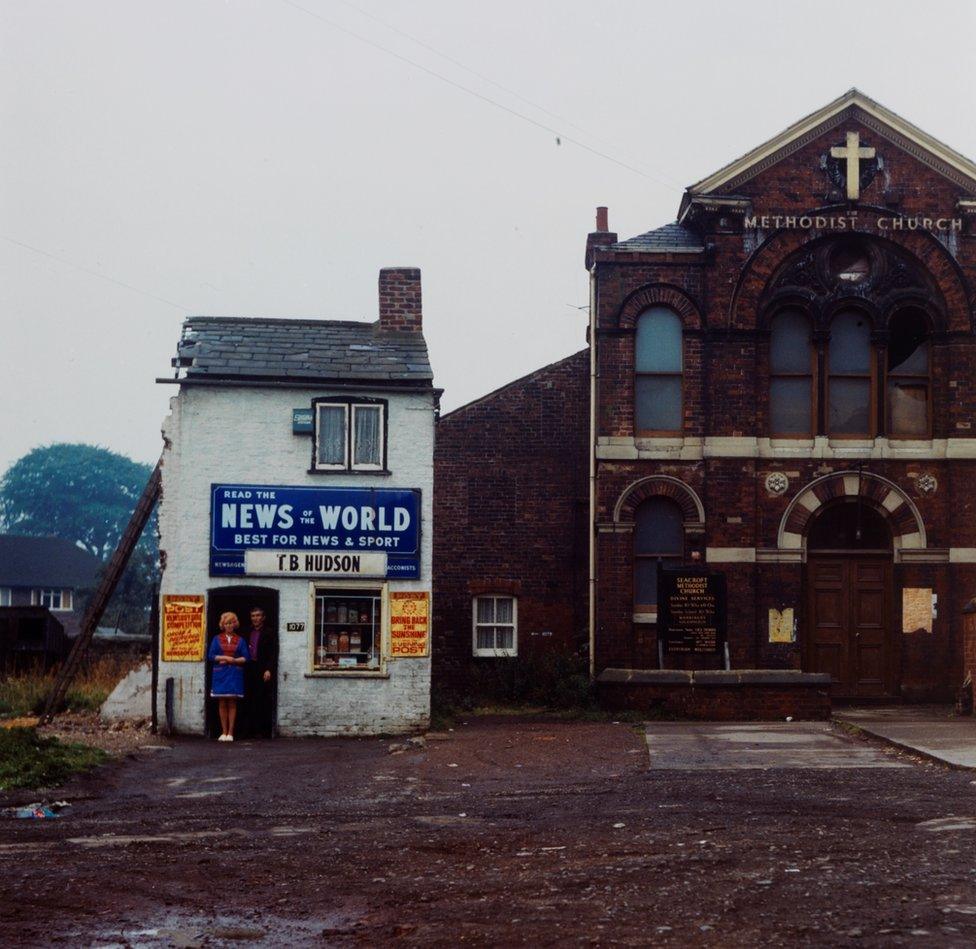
495, 626
849, 401
659, 538
350, 435
658, 367
791, 363
909, 375
52, 599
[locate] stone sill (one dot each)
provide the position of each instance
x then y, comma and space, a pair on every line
714, 677
379, 674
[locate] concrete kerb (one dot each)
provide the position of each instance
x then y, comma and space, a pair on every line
916, 749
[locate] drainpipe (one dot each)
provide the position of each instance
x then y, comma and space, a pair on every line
594, 377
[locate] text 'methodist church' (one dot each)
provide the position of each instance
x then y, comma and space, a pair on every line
778, 388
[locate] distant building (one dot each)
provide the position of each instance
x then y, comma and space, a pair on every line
44, 582
48, 572
298, 478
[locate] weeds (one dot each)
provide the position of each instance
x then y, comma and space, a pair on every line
29, 761
25, 693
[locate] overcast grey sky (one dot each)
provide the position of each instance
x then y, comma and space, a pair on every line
254, 157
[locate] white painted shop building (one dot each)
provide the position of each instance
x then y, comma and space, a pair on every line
297, 477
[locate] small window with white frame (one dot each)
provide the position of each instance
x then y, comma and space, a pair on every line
350, 435
347, 630
53, 599
495, 626
6, 596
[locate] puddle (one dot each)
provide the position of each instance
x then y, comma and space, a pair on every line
189, 932
943, 824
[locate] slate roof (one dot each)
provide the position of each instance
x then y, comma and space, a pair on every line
672, 238
228, 348
45, 562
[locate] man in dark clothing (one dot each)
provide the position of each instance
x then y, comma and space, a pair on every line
260, 676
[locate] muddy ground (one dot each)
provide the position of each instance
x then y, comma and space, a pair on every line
507, 832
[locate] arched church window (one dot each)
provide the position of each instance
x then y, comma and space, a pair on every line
849, 375
791, 363
909, 375
658, 366
658, 538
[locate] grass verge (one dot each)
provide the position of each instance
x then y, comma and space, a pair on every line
28, 760
24, 693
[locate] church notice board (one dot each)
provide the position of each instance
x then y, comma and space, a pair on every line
409, 625
184, 627
691, 615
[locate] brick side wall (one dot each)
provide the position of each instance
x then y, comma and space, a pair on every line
510, 487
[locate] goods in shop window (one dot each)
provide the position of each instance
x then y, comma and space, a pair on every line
343, 641
355, 642
333, 642
330, 612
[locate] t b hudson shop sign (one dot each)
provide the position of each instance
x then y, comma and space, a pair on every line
269, 530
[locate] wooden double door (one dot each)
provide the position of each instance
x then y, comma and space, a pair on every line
849, 623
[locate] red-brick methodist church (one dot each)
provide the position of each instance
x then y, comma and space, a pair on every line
780, 387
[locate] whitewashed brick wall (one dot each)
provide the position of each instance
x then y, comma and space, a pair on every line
244, 435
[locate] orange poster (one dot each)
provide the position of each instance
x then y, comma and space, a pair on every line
184, 627
409, 625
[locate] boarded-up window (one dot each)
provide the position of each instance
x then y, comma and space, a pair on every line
908, 375
658, 364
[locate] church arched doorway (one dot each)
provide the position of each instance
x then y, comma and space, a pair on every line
850, 631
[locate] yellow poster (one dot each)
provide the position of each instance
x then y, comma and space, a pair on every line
184, 627
409, 625
916, 610
781, 628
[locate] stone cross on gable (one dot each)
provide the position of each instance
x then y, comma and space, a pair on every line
852, 153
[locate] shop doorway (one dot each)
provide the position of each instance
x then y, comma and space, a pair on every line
240, 600
849, 597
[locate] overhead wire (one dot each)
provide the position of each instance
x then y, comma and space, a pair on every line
479, 95
94, 273
478, 75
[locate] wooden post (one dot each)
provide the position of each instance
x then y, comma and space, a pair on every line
103, 592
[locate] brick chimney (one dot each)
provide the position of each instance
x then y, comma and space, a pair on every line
601, 237
400, 304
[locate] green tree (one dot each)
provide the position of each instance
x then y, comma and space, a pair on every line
85, 494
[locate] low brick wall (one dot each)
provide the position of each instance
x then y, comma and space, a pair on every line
721, 696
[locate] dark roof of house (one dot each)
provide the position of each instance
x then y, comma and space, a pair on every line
672, 238
237, 349
45, 562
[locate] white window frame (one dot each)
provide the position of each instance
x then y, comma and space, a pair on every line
494, 652
323, 466
319, 588
6, 596
351, 439
63, 594
349, 407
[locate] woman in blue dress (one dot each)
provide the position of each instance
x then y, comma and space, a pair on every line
228, 652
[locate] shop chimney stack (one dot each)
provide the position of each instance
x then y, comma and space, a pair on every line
401, 309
